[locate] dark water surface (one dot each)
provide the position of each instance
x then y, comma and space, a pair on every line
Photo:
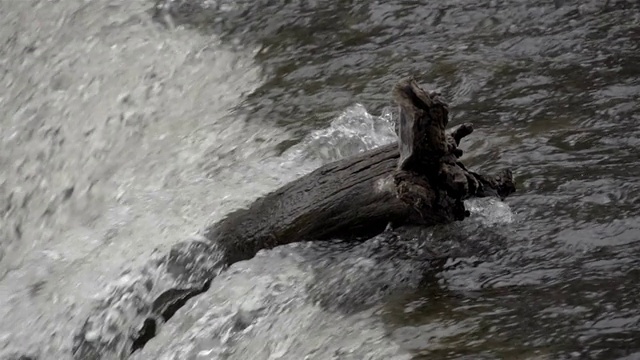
553, 92
257, 92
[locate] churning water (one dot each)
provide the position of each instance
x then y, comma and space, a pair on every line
127, 126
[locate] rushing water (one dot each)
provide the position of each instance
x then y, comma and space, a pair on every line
126, 126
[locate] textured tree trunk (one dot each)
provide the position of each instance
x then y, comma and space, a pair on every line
419, 181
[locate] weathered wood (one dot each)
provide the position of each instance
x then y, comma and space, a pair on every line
419, 180
421, 127
430, 178
353, 197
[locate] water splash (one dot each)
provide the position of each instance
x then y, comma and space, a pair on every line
354, 131
101, 148
490, 211
131, 300
265, 308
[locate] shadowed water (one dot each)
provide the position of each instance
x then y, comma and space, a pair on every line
128, 126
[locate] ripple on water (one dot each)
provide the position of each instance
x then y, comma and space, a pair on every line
121, 136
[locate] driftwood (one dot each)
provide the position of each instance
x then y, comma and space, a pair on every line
420, 180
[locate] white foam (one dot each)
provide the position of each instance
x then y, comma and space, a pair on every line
490, 210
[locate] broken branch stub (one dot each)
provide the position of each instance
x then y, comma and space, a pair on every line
430, 178
421, 135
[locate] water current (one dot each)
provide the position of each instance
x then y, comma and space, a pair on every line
128, 125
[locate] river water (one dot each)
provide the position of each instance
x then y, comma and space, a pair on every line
127, 126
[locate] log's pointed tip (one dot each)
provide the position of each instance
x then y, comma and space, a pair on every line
408, 94
408, 80
408, 84
403, 88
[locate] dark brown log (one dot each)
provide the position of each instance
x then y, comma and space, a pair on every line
430, 178
419, 180
353, 197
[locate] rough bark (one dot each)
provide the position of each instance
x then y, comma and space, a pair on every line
419, 180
